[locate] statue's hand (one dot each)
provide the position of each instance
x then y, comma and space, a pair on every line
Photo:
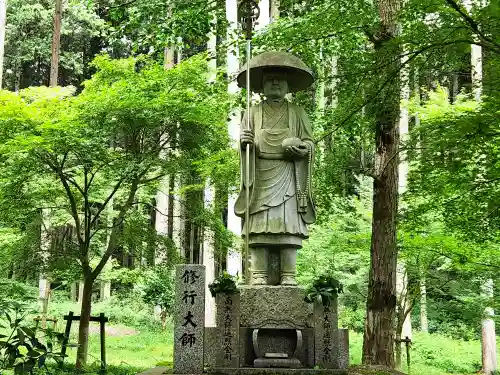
246, 138
299, 151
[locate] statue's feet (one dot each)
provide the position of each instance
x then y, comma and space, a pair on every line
259, 281
288, 280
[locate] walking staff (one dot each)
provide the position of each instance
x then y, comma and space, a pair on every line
250, 10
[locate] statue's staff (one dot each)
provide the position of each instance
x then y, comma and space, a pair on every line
250, 9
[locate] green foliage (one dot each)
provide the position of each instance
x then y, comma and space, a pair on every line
153, 25
29, 41
21, 349
224, 283
16, 291
455, 175
340, 247
352, 318
83, 163
56, 151
325, 288
159, 287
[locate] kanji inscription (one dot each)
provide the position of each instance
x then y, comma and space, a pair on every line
189, 319
228, 316
326, 335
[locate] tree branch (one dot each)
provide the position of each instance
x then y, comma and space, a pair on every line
111, 244
108, 199
473, 24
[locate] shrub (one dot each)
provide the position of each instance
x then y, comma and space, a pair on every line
21, 349
324, 287
224, 283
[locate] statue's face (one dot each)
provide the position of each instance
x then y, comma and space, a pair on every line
275, 85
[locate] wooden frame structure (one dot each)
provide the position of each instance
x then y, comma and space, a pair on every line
102, 319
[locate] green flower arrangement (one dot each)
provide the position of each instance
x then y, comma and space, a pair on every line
324, 287
225, 284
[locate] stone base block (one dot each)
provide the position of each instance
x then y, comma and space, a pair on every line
277, 362
157, 371
265, 306
276, 371
252, 371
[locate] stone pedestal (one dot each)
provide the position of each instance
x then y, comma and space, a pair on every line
189, 319
263, 330
275, 327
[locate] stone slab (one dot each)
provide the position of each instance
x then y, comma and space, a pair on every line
266, 306
189, 319
228, 328
211, 347
343, 348
326, 335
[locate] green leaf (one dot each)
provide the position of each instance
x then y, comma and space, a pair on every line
21, 336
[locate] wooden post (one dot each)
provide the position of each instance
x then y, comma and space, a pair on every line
102, 322
408, 345
66, 336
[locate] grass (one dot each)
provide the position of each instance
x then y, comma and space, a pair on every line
128, 354
430, 354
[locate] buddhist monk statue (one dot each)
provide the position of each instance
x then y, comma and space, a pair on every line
281, 165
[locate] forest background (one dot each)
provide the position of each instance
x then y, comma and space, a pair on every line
126, 165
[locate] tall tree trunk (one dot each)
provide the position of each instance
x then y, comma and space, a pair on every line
424, 323
163, 221
3, 21
168, 58
17, 83
233, 261
488, 334
208, 244
74, 291
83, 329
56, 45
378, 339
275, 9
170, 225
44, 279
403, 326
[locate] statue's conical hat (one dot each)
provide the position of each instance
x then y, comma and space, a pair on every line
299, 75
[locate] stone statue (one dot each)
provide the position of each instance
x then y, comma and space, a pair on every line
281, 165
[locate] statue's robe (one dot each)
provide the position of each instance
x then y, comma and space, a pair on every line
275, 217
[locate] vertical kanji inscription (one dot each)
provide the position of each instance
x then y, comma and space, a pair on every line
189, 319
